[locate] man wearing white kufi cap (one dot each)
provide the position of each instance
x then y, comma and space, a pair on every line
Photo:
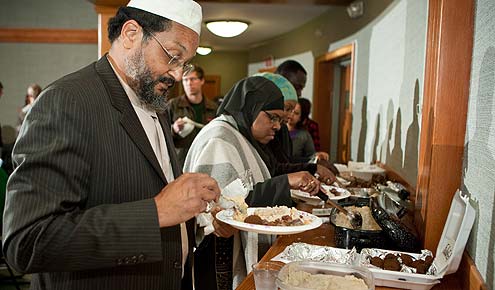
97, 199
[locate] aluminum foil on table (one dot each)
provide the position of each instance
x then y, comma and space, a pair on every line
368, 253
308, 252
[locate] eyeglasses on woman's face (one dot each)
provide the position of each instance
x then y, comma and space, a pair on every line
274, 118
174, 62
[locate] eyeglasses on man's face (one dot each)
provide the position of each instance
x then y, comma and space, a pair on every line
190, 79
174, 62
274, 118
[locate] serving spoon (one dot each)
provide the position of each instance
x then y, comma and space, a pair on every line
355, 218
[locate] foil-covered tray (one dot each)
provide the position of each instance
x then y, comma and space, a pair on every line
309, 252
368, 253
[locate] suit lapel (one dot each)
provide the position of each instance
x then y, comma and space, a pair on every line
129, 119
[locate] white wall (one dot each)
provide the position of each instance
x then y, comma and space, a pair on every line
306, 59
389, 72
479, 151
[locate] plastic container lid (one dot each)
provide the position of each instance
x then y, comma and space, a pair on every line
455, 235
449, 251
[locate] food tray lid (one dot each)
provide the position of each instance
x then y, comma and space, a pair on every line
455, 235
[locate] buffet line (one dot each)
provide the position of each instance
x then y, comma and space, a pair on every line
320, 244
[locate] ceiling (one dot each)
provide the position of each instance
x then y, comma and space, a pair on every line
268, 18
267, 21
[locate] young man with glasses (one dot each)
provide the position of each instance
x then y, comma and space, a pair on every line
97, 199
193, 105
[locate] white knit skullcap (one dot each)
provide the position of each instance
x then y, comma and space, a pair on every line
185, 12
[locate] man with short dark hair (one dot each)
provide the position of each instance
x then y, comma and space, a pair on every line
97, 199
192, 106
295, 73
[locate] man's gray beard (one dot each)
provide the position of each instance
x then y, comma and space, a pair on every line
143, 83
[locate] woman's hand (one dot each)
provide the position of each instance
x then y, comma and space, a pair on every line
325, 175
304, 181
222, 229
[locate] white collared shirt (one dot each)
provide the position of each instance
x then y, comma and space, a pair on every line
152, 127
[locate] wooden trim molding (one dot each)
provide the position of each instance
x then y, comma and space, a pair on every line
339, 52
445, 105
444, 114
104, 15
322, 92
47, 35
469, 276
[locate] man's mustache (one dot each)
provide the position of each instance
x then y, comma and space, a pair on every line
170, 82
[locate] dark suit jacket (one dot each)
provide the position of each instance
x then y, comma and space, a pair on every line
80, 211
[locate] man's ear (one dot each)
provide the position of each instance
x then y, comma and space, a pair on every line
131, 33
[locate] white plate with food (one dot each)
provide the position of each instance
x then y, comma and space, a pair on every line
333, 192
278, 220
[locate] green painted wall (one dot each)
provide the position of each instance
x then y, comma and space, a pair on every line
314, 36
230, 65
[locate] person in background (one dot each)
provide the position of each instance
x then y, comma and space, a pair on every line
193, 105
32, 93
303, 149
232, 143
308, 123
281, 146
97, 199
295, 73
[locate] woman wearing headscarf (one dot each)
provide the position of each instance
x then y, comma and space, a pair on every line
232, 143
281, 148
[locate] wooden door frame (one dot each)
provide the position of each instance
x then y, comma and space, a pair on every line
449, 51
444, 113
217, 79
323, 90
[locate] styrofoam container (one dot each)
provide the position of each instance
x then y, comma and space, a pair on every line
449, 251
341, 167
364, 171
324, 268
400, 279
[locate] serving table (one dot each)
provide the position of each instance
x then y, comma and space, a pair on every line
324, 236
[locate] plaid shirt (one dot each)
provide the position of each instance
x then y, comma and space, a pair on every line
314, 131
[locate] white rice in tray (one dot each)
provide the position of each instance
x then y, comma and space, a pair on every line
273, 213
303, 279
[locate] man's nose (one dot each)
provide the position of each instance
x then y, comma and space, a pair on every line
176, 74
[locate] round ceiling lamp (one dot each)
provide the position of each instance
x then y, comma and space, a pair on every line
203, 50
227, 28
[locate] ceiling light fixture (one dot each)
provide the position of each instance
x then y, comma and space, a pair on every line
227, 28
203, 50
